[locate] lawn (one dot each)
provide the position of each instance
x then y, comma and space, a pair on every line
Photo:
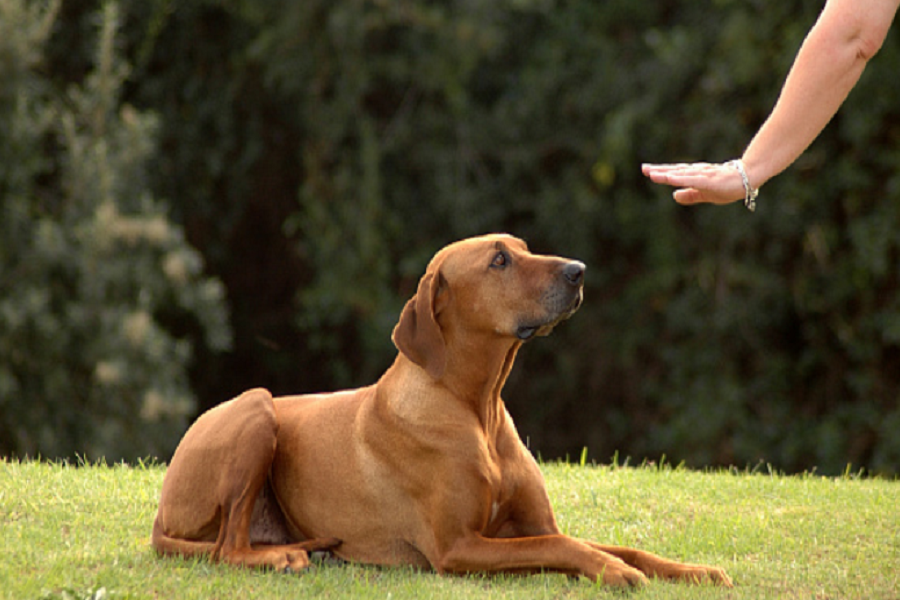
82, 532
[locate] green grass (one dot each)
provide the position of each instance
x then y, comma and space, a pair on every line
82, 532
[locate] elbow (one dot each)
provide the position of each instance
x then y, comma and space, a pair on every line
867, 46
854, 28
870, 35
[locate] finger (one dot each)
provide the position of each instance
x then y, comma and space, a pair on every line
688, 179
683, 177
698, 167
649, 169
658, 176
687, 196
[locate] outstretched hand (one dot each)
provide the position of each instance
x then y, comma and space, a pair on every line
698, 182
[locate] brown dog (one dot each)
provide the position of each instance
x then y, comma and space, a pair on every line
423, 468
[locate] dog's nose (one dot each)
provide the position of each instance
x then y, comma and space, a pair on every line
574, 272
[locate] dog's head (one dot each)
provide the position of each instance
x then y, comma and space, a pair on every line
486, 286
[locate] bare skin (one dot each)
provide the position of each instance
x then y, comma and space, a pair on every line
831, 60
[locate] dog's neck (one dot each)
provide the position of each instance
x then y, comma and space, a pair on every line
479, 380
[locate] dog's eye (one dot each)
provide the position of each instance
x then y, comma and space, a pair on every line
500, 260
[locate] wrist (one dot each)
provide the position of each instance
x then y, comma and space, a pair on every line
750, 192
758, 172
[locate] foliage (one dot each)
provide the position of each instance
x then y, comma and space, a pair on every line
101, 299
319, 152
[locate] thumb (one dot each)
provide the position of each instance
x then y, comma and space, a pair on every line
687, 196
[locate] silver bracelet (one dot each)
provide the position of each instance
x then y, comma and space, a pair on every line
750, 194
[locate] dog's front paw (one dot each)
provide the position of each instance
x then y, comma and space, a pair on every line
623, 576
703, 574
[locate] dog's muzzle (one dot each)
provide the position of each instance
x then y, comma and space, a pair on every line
561, 301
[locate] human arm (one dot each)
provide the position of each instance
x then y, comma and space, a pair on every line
830, 62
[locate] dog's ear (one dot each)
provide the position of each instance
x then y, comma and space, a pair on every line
417, 334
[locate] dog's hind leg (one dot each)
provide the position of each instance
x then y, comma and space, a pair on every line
210, 489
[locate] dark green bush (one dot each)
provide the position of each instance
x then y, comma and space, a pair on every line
318, 153
93, 274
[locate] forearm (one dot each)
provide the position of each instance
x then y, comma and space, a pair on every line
832, 58
830, 62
